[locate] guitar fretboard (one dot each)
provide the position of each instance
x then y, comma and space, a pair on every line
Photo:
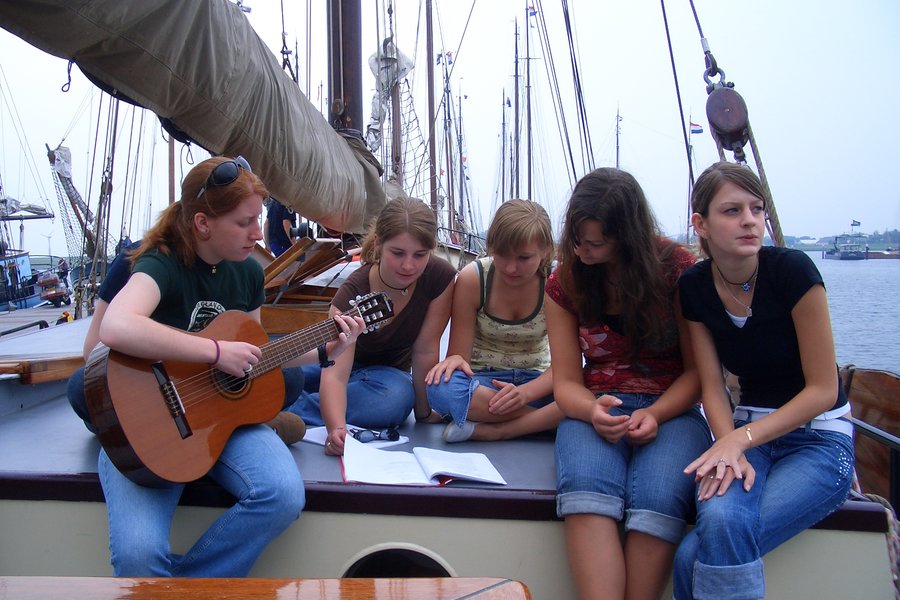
286, 348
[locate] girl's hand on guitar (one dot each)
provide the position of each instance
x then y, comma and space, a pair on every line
237, 358
334, 443
350, 328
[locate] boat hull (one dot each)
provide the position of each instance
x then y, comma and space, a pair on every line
70, 538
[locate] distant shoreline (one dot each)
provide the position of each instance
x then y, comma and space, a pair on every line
818, 247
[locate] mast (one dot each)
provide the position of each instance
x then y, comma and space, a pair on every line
462, 167
171, 170
345, 73
618, 130
528, 99
448, 143
502, 144
515, 142
432, 152
396, 131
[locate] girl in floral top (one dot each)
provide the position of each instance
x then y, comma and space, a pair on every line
623, 375
495, 382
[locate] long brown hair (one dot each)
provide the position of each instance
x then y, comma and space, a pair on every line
400, 215
615, 199
174, 229
518, 223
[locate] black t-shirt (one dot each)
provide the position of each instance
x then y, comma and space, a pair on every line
764, 353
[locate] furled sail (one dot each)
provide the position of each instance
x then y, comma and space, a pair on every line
201, 66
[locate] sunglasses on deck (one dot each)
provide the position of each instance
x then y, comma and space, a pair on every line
368, 435
225, 173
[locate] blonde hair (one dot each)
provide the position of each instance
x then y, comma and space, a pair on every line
518, 223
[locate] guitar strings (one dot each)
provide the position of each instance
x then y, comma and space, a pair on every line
275, 354
196, 388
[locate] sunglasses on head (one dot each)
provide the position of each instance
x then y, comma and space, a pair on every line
225, 173
368, 435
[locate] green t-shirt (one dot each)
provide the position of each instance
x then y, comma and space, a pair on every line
191, 297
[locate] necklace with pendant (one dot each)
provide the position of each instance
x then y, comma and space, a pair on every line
403, 291
747, 285
747, 289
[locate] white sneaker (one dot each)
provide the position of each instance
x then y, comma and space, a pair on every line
453, 433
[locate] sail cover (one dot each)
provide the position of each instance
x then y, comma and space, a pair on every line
201, 65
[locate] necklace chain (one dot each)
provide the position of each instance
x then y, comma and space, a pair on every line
403, 291
747, 289
747, 285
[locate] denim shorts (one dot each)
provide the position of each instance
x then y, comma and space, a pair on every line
451, 399
378, 396
644, 485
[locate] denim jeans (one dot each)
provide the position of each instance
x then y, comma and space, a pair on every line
454, 397
801, 477
645, 482
293, 386
255, 467
377, 397
77, 400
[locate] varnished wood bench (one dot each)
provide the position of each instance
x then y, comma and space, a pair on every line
109, 588
875, 403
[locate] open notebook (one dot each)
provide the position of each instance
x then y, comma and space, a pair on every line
423, 466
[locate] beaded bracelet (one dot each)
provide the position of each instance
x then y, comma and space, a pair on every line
218, 353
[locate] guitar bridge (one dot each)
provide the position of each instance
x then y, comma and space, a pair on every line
172, 399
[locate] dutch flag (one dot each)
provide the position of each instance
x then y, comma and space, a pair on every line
696, 128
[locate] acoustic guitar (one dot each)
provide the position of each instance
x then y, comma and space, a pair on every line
168, 421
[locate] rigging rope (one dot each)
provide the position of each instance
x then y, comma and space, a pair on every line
684, 131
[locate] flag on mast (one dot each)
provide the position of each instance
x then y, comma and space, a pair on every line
854, 223
696, 128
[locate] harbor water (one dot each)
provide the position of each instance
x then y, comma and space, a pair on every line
864, 300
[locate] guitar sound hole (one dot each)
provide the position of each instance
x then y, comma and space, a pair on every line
229, 385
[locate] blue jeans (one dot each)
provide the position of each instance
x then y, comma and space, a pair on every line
75, 394
454, 397
377, 397
255, 467
293, 386
645, 482
801, 477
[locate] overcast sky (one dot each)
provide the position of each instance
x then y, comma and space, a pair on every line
819, 79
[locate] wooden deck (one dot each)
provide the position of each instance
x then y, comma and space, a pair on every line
110, 588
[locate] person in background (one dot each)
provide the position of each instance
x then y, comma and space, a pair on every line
783, 460
495, 382
382, 378
623, 375
193, 265
62, 269
280, 220
287, 425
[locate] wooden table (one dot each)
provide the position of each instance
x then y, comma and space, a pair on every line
109, 588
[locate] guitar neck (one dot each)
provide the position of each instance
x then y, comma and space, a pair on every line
293, 345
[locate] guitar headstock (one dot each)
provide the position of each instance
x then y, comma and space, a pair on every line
374, 308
